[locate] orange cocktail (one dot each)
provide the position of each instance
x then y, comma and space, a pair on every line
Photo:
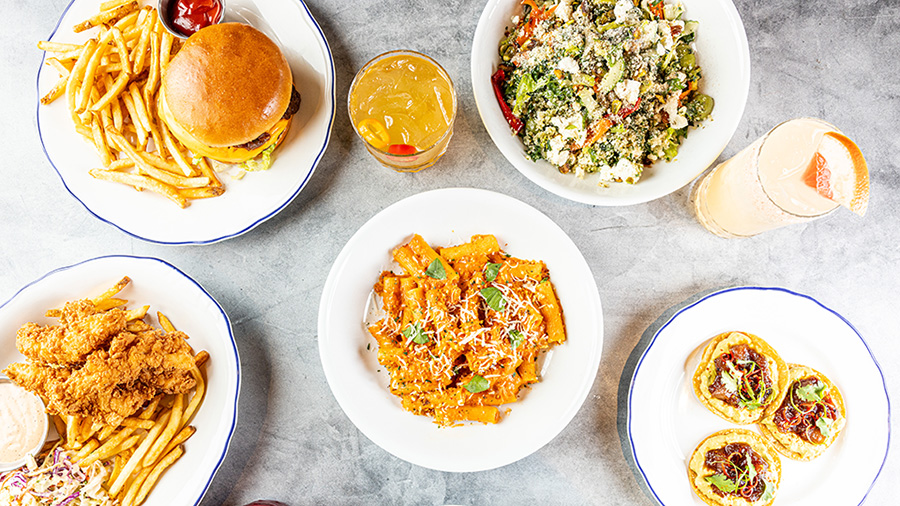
402, 104
799, 171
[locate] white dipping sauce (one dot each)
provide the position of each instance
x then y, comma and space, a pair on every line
23, 422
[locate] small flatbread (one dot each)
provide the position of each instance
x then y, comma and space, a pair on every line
697, 470
789, 444
705, 375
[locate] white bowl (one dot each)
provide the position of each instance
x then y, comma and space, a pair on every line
44, 429
722, 53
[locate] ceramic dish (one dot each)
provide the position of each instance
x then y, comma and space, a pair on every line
722, 53
192, 310
359, 383
666, 421
246, 203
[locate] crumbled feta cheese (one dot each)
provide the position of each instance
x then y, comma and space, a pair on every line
564, 10
665, 36
558, 154
568, 64
649, 33
628, 90
624, 11
676, 120
586, 95
571, 127
626, 170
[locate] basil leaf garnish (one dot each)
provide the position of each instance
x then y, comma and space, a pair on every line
494, 298
721, 482
515, 338
416, 332
491, 271
477, 384
436, 270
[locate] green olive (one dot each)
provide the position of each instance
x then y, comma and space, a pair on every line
688, 61
702, 106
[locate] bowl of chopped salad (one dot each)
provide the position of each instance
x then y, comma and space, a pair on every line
610, 102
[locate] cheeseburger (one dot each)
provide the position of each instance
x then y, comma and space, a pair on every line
228, 94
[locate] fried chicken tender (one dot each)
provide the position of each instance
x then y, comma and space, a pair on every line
82, 330
112, 384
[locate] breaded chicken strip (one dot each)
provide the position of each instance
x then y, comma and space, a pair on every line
81, 331
113, 384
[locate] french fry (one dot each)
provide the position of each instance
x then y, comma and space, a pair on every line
168, 433
135, 120
121, 49
89, 446
197, 397
177, 154
117, 467
110, 303
139, 54
150, 481
72, 432
206, 192
112, 4
138, 455
201, 358
60, 425
139, 106
150, 410
136, 314
105, 17
164, 322
180, 438
72, 86
113, 290
135, 487
57, 90
87, 82
153, 77
60, 67
207, 171
100, 144
106, 432
111, 92
137, 423
142, 182
165, 51
124, 163
58, 47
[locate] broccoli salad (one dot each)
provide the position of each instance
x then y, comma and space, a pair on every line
601, 86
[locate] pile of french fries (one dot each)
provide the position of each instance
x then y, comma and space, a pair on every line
111, 84
144, 445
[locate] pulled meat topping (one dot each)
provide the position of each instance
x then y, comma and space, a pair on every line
292, 108
742, 378
808, 411
738, 471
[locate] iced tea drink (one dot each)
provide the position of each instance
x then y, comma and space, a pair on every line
799, 171
402, 104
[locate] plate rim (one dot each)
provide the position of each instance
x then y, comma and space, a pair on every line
601, 200
330, 76
218, 306
328, 293
762, 289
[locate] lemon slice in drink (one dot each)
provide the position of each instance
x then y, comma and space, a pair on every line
839, 172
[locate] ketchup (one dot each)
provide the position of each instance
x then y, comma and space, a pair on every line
192, 15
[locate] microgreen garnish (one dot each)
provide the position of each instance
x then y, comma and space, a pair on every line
415, 332
491, 271
477, 384
812, 392
494, 298
825, 425
436, 270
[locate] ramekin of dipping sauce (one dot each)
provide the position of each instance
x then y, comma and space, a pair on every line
183, 18
23, 425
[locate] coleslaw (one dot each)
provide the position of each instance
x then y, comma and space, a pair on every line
57, 481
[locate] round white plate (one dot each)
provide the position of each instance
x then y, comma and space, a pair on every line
447, 217
246, 203
722, 53
666, 421
192, 310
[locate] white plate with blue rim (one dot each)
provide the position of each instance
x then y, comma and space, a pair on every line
192, 310
666, 421
723, 54
349, 354
247, 202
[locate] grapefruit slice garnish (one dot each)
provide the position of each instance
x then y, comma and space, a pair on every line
839, 172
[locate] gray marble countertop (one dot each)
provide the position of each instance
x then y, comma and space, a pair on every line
834, 60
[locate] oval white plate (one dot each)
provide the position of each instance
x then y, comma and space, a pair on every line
666, 421
446, 217
192, 310
246, 203
722, 53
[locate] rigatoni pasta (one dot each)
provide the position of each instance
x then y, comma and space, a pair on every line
463, 327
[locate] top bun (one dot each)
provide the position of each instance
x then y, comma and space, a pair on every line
227, 85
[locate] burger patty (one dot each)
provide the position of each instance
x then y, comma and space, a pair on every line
293, 107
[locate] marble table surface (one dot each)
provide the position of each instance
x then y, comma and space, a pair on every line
833, 60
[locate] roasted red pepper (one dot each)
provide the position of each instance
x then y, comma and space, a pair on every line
623, 113
514, 122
